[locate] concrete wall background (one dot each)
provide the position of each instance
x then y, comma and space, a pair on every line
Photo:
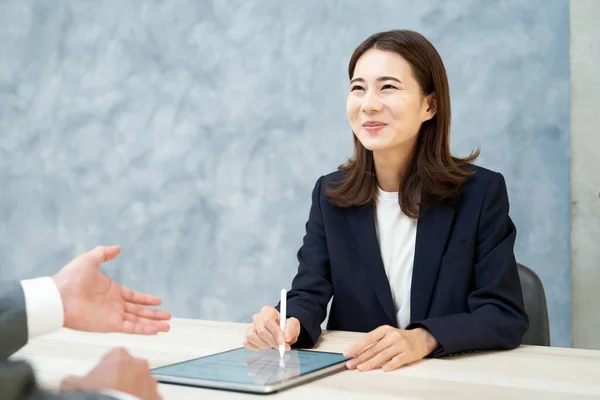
192, 133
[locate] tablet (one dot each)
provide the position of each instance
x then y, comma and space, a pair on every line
252, 371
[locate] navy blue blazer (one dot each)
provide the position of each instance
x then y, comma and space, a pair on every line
465, 285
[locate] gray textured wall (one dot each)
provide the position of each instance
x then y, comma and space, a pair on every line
192, 133
585, 179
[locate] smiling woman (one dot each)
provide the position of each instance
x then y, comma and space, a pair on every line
399, 78
414, 245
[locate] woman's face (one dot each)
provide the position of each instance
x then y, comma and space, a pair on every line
385, 105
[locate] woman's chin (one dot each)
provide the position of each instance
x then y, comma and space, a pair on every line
373, 144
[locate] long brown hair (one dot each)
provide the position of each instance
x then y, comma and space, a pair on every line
434, 174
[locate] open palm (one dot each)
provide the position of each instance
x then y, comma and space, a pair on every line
93, 302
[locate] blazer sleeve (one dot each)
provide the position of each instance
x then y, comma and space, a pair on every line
311, 287
17, 382
13, 318
497, 319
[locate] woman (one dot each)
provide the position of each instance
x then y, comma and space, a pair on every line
414, 245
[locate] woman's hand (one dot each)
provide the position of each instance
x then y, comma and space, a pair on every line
264, 332
390, 348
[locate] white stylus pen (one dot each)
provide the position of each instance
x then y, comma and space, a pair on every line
282, 318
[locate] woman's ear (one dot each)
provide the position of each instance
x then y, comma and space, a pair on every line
431, 106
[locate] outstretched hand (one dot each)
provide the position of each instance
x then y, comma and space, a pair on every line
95, 303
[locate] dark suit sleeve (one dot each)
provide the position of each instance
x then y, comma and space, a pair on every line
497, 318
13, 318
311, 287
17, 382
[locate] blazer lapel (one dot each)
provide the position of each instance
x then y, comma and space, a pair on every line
362, 221
433, 229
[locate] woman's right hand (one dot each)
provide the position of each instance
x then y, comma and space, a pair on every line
264, 331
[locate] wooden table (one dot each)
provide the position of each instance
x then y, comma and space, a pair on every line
528, 372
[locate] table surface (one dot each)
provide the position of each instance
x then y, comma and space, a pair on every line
529, 372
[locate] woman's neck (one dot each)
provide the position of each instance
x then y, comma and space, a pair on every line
391, 166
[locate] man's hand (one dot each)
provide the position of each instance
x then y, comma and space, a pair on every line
117, 371
95, 303
390, 348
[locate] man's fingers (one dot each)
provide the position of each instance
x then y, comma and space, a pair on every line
70, 384
148, 313
159, 325
117, 352
138, 329
140, 298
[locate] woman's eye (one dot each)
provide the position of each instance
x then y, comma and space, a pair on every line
356, 87
388, 87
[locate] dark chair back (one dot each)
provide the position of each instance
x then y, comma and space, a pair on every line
535, 305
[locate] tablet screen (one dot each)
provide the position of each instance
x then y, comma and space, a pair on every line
245, 366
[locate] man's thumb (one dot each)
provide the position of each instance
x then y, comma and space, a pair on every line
102, 254
70, 383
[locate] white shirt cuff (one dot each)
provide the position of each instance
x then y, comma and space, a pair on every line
43, 305
45, 314
118, 395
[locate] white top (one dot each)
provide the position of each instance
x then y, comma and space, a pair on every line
397, 234
45, 314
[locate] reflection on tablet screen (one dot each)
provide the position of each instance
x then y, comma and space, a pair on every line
252, 367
